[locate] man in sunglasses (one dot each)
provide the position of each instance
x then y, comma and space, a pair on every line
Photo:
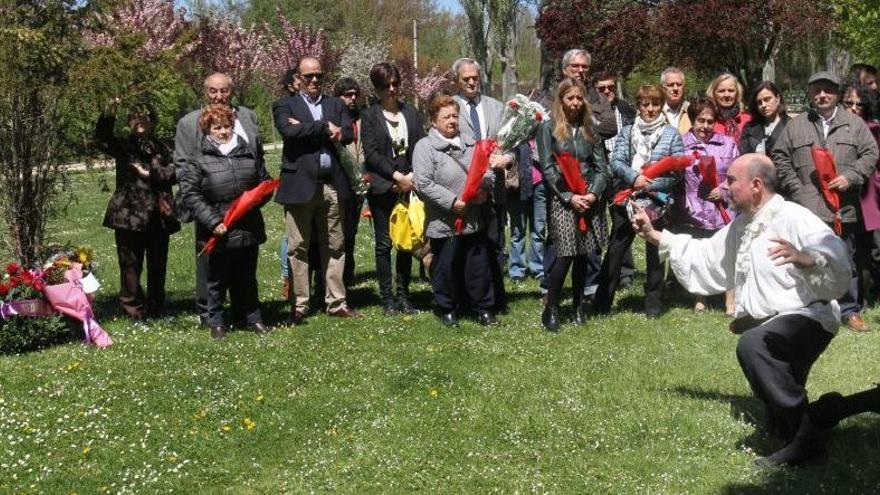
827, 125
313, 186
349, 91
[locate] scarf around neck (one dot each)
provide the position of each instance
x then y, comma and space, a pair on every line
645, 136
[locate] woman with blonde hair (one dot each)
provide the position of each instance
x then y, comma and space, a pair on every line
571, 131
727, 94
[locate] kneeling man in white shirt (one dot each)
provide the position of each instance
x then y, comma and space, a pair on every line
787, 268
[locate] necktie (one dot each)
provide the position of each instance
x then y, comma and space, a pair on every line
475, 120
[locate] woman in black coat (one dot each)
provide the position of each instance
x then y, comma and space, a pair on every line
389, 132
768, 120
210, 182
140, 210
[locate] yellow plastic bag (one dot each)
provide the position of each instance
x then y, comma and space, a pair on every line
407, 224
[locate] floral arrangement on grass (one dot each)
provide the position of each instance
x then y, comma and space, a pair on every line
34, 301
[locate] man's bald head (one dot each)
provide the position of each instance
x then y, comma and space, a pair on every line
218, 88
760, 166
751, 182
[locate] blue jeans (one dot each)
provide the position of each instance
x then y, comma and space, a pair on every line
527, 215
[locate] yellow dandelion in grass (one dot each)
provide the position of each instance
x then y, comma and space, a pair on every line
84, 255
86, 451
225, 428
248, 423
260, 398
200, 414
75, 365
434, 393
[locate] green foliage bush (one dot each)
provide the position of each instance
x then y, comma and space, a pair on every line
22, 333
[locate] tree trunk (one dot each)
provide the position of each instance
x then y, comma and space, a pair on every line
509, 74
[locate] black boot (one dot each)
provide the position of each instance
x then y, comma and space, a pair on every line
579, 311
808, 446
829, 409
550, 318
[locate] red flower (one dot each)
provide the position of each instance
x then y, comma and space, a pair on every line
13, 268
538, 116
4, 290
14, 282
513, 104
39, 284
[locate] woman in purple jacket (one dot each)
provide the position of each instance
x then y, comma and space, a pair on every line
700, 215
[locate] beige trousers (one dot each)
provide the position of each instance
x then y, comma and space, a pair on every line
323, 207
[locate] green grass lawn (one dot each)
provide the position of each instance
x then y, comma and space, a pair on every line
621, 405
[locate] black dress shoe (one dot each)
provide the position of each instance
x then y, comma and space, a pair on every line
259, 327
218, 331
579, 310
486, 318
389, 308
550, 318
405, 307
449, 319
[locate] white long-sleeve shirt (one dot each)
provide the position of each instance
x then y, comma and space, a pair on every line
736, 257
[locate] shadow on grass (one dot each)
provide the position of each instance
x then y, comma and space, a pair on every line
851, 467
743, 407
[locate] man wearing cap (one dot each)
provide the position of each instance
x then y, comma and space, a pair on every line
854, 149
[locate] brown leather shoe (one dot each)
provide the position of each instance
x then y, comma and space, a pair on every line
345, 312
857, 324
295, 318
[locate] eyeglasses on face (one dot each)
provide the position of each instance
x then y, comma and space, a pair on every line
605, 87
850, 103
315, 76
350, 94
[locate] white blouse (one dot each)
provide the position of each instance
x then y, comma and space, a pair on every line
736, 257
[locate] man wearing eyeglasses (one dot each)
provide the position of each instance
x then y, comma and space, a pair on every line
187, 144
855, 153
479, 117
313, 187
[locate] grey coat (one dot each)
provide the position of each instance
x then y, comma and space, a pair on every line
188, 145
440, 171
855, 157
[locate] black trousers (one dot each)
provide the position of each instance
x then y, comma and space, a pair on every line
557, 273
131, 248
621, 239
776, 358
460, 273
201, 284
381, 206
352, 212
234, 270
497, 221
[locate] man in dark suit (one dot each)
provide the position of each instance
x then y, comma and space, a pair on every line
313, 184
187, 145
479, 117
